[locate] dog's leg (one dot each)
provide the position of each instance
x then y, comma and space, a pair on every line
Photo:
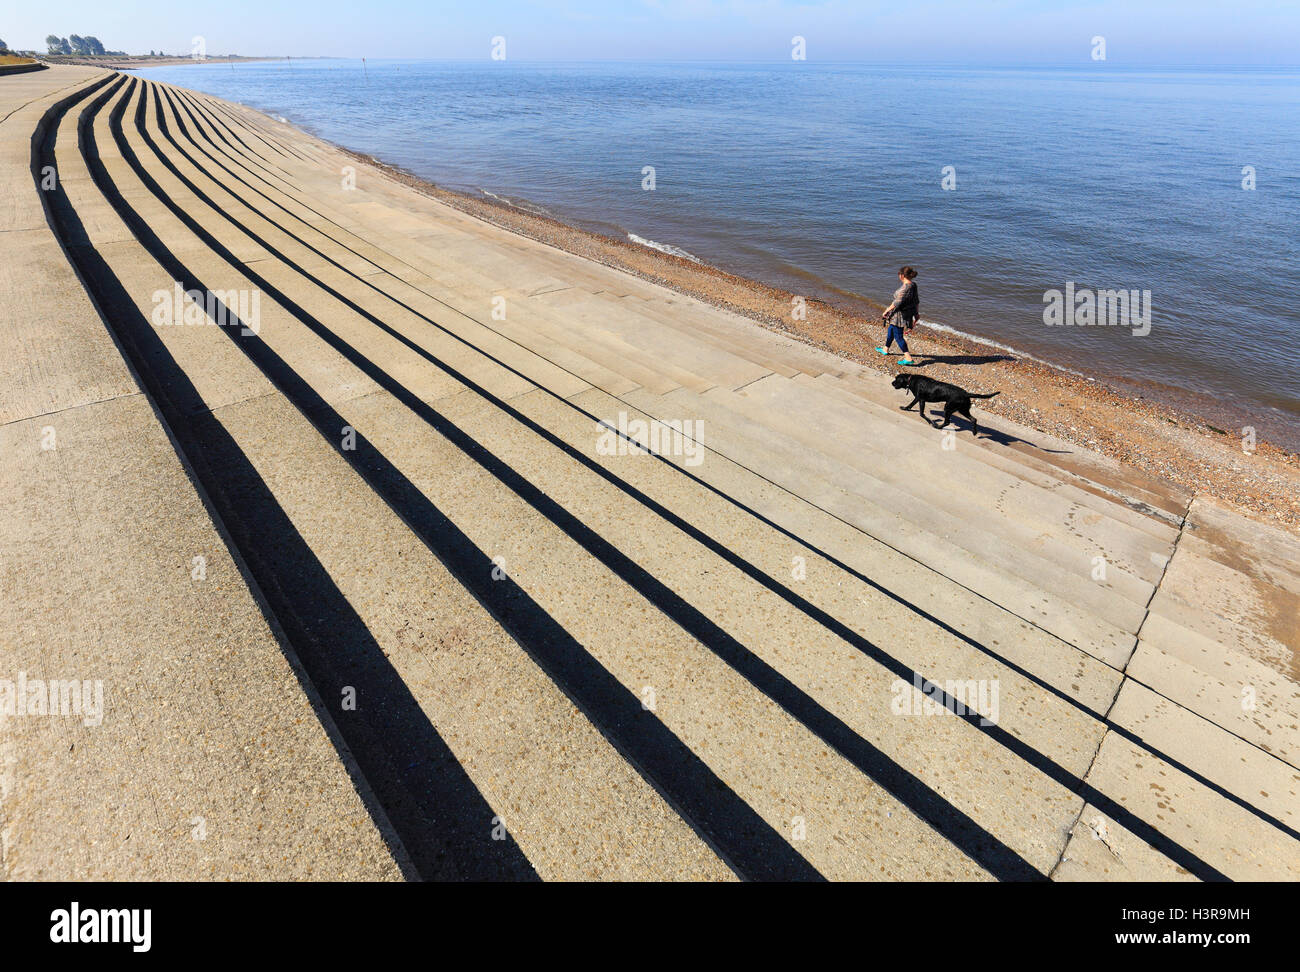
947, 415
908, 407
974, 426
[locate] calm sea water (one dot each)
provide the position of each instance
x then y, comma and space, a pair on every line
824, 178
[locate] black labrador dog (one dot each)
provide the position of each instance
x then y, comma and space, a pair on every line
926, 390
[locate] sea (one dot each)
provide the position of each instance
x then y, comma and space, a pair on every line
1139, 227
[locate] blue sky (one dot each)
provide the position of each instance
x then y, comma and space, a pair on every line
1138, 32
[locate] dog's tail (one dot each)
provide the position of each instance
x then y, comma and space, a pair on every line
989, 395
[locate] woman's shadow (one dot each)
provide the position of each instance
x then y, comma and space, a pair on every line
963, 359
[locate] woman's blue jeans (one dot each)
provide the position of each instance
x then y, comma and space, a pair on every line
895, 333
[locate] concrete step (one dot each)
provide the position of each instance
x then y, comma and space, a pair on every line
936, 468
497, 437
702, 364
955, 554
1027, 551
731, 332
492, 765
234, 740
1145, 494
996, 448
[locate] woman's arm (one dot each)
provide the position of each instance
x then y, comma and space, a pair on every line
898, 299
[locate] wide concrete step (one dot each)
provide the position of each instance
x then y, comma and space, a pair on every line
732, 333
492, 765
975, 560
658, 594
994, 447
935, 469
702, 364
209, 737
422, 449
1009, 442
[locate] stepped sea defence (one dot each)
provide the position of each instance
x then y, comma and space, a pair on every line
444, 553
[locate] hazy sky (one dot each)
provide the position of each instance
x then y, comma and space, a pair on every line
1137, 32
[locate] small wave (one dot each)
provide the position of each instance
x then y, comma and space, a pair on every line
668, 248
988, 342
526, 207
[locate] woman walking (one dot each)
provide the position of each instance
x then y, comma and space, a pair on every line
901, 315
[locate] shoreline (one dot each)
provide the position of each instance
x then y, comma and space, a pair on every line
132, 62
1161, 430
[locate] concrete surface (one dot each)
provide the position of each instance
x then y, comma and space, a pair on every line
573, 663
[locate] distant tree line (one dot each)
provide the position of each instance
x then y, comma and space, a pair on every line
76, 44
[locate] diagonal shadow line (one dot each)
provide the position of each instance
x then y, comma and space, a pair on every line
274, 144
1102, 718
218, 106
201, 139
931, 806
264, 135
443, 822
1039, 760
734, 830
253, 158
1044, 763
252, 130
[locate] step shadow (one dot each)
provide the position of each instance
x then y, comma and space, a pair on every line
961, 424
739, 835
952, 823
411, 780
871, 761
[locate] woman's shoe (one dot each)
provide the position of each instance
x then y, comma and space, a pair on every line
882, 350
905, 361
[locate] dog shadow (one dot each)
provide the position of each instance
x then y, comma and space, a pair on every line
962, 424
